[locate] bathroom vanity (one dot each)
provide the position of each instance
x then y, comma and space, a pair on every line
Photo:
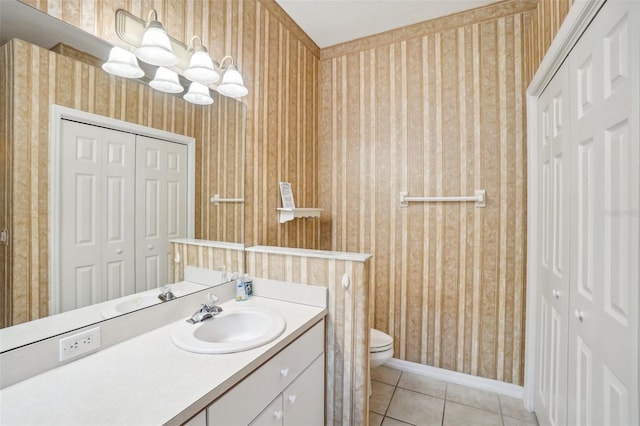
149, 380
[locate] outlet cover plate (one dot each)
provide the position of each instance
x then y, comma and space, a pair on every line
79, 344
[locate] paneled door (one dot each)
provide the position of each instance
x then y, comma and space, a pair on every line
97, 200
161, 207
553, 226
603, 352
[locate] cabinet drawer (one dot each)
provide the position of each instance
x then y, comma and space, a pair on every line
247, 399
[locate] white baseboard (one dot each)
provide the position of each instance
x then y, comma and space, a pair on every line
496, 386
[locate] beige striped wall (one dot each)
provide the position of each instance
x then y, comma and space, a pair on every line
206, 257
347, 334
546, 20
279, 64
434, 109
38, 78
437, 108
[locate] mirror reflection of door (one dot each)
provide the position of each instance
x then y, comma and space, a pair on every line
123, 197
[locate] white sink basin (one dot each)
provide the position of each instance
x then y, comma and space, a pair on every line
133, 303
233, 330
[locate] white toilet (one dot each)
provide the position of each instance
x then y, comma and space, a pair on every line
380, 348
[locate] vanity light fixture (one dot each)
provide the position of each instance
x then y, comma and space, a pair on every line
156, 47
122, 63
166, 81
201, 67
198, 94
232, 84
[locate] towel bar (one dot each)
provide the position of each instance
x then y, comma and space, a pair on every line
478, 198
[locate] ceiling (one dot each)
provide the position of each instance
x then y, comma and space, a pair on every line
331, 22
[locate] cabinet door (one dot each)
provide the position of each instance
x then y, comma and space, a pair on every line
304, 399
553, 276
161, 207
603, 350
271, 416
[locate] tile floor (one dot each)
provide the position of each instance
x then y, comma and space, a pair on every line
401, 398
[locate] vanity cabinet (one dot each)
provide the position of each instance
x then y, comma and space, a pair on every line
288, 389
301, 403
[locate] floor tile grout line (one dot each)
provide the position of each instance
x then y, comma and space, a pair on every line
395, 387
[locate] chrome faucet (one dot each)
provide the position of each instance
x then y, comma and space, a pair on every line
208, 310
166, 294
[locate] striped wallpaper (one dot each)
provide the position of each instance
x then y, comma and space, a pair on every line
279, 64
545, 23
347, 333
437, 108
434, 109
35, 78
206, 256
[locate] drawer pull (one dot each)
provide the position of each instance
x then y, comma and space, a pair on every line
292, 398
284, 372
278, 414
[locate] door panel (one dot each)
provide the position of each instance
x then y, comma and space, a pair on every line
554, 237
96, 240
604, 302
118, 195
161, 207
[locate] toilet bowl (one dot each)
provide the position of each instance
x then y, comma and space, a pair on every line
380, 348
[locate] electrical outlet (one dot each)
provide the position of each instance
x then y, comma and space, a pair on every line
79, 344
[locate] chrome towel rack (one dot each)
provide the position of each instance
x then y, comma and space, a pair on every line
478, 198
217, 200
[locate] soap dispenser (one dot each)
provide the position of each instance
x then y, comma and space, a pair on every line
241, 290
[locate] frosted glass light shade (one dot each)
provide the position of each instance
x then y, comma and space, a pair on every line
201, 68
232, 84
166, 81
122, 63
156, 47
198, 94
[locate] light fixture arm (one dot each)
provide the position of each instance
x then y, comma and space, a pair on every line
155, 15
192, 46
224, 59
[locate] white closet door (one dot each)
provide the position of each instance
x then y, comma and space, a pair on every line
97, 199
554, 254
603, 354
161, 207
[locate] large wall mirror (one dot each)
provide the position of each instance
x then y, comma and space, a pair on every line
54, 63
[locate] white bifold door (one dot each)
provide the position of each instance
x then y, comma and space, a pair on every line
589, 228
161, 207
122, 197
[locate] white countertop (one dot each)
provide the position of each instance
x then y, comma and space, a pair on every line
33, 331
144, 380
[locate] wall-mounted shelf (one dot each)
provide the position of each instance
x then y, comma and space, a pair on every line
290, 214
